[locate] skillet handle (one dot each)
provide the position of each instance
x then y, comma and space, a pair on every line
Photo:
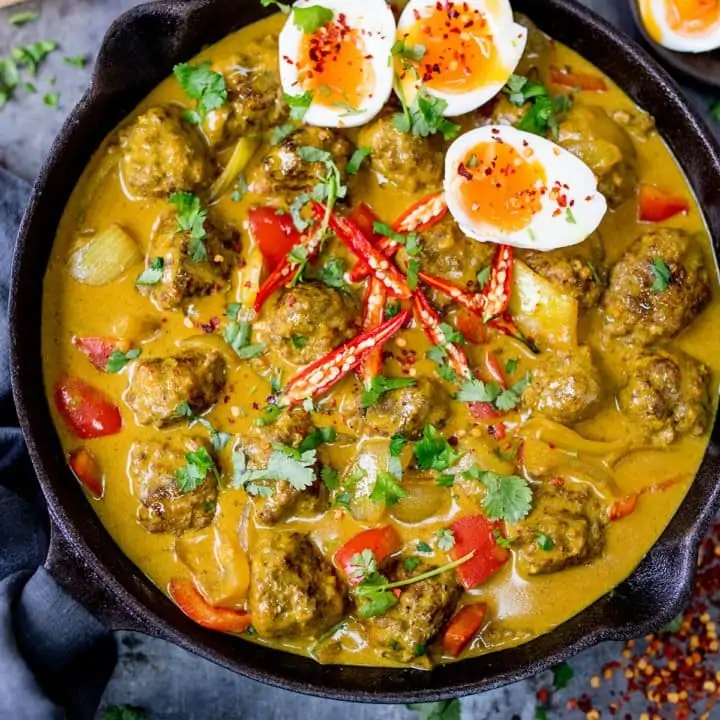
79, 581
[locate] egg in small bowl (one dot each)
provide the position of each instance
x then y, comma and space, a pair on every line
461, 52
690, 26
507, 186
336, 56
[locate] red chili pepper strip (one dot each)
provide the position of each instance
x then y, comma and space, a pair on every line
325, 372
373, 315
474, 302
506, 325
430, 322
423, 215
393, 280
497, 291
285, 271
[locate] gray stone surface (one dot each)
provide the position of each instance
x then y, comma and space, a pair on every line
192, 688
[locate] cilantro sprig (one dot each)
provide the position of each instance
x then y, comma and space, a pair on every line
153, 272
191, 218
544, 110
203, 85
386, 490
193, 474
237, 334
119, 359
312, 18
425, 116
508, 497
661, 274
380, 385
433, 451
218, 439
284, 463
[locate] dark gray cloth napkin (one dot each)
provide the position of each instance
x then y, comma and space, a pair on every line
55, 657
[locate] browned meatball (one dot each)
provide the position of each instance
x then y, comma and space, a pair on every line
153, 469
572, 520
255, 99
641, 306
410, 162
293, 589
283, 172
160, 385
605, 147
423, 608
578, 271
309, 320
408, 410
184, 277
565, 387
669, 394
290, 429
162, 154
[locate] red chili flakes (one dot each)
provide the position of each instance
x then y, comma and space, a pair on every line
464, 172
326, 42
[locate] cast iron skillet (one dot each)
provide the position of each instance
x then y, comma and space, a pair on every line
138, 52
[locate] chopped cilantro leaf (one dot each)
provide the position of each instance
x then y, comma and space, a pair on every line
362, 565
562, 675
123, 712
203, 85
445, 539
270, 415
715, 110
217, 439
441, 710
118, 359
299, 341
478, 391
319, 436
510, 398
413, 269
153, 272
309, 19
397, 444
425, 117
332, 273
283, 7
392, 308
511, 366
483, 276
299, 104
51, 99
542, 115
284, 464
508, 497
330, 477
520, 89
501, 540
411, 563
237, 336
380, 384
343, 499
357, 159
544, 542
661, 274
194, 473
22, 18
445, 480
32, 55
434, 452
78, 61
409, 52
569, 217
386, 491
423, 547
191, 218
280, 132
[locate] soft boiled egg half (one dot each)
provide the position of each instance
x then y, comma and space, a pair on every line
339, 51
683, 25
507, 186
461, 52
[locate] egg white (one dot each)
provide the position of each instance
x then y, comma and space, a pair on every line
509, 38
545, 231
375, 19
654, 17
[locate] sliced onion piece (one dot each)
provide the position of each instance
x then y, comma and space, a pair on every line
105, 257
241, 156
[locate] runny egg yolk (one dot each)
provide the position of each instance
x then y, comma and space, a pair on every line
502, 188
692, 16
334, 66
460, 54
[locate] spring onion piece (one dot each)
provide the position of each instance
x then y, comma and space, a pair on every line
241, 156
105, 257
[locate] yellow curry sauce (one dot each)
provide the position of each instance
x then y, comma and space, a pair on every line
520, 607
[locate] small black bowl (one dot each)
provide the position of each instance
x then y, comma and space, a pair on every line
140, 50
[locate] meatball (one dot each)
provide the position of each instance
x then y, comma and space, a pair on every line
183, 277
605, 147
447, 252
423, 608
290, 429
566, 387
573, 520
309, 320
576, 271
160, 385
165, 508
669, 394
412, 163
284, 173
641, 305
254, 95
293, 589
162, 154
408, 410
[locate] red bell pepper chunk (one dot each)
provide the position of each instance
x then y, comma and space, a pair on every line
497, 290
475, 532
654, 205
194, 605
577, 81
483, 411
421, 216
286, 270
463, 627
430, 322
97, 349
88, 411
357, 241
474, 302
373, 315
86, 469
274, 233
381, 541
623, 507
472, 327
330, 369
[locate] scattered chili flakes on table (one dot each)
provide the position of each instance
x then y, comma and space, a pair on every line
674, 673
